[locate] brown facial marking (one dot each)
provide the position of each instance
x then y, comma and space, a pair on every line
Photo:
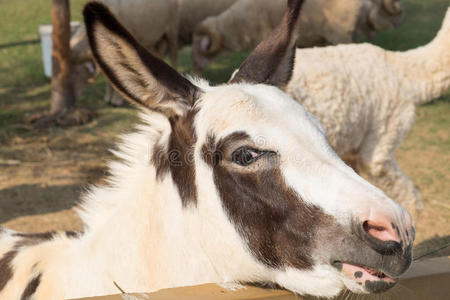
277, 225
178, 159
160, 160
31, 288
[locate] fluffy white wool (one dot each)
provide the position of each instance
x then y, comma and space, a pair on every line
366, 99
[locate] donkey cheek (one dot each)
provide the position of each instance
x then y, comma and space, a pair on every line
270, 217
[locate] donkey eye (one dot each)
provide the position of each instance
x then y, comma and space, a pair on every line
244, 156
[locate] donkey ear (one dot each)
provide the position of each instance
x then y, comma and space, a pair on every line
272, 60
138, 75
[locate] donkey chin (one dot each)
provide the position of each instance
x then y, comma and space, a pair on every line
363, 256
342, 261
374, 264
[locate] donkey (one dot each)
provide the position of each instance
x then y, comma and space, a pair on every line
227, 184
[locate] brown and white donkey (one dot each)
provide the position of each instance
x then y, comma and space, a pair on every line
227, 184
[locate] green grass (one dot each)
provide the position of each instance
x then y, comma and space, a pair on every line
22, 65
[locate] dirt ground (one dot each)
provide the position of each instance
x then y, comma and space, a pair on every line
38, 193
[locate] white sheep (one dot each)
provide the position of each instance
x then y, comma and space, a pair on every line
190, 14
154, 23
366, 98
377, 15
325, 22
138, 14
193, 12
168, 31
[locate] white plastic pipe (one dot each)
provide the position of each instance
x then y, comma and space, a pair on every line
45, 32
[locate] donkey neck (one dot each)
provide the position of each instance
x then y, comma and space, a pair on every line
138, 231
149, 244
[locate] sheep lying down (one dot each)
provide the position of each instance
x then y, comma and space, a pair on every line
193, 12
366, 98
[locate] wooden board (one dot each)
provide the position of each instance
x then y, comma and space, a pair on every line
425, 280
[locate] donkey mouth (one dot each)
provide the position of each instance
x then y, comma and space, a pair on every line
373, 280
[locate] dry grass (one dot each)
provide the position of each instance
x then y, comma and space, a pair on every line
425, 157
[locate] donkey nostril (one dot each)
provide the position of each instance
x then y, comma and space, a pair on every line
380, 231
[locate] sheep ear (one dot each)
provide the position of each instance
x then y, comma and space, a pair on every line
272, 60
138, 75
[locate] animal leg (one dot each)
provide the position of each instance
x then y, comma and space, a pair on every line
378, 163
161, 48
397, 185
172, 39
112, 97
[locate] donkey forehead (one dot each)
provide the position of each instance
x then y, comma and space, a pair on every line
256, 109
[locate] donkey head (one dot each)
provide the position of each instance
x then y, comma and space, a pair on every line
270, 200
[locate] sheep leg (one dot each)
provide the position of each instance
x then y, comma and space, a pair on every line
173, 52
172, 40
378, 163
163, 47
352, 164
394, 182
112, 97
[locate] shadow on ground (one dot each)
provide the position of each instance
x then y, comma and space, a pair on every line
35, 199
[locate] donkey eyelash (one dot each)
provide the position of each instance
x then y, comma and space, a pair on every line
244, 156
